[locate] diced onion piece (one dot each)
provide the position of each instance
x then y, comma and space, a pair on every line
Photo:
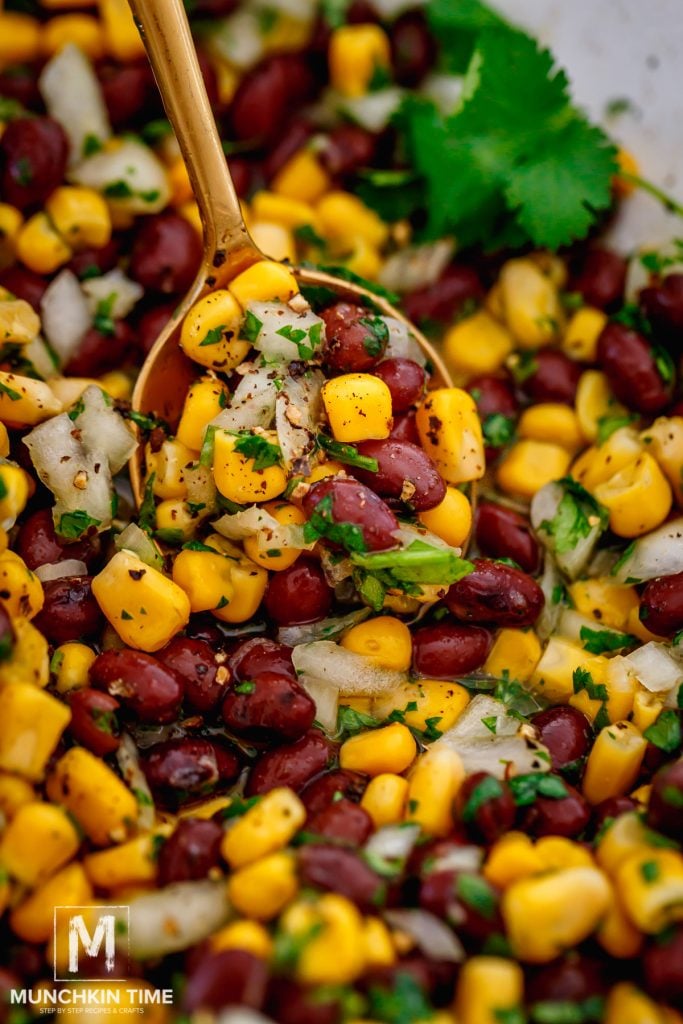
238, 39
572, 622
177, 917
65, 315
444, 90
402, 344
201, 489
544, 506
546, 624
393, 842
324, 629
416, 266
433, 937
58, 570
73, 96
372, 110
488, 739
279, 316
655, 668
659, 553
103, 430
43, 361
130, 176
326, 702
69, 389
258, 522
349, 673
136, 540
253, 403
297, 415
129, 762
459, 858
115, 283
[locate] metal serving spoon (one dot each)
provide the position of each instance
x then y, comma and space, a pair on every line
228, 249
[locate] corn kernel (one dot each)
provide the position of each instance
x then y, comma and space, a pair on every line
602, 599
384, 799
33, 920
303, 177
80, 215
236, 475
551, 421
205, 581
358, 407
647, 708
11, 220
489, 987
24, 402
432, 787
120, 31
33, 722
451, 519
650, 884
14, 793
355, 54
476, 344
335, 954
450, 432
262, 889
4, 452
266, 827
19, 324
170, 464
19, 38
14, 487
531, 303
40, 247
432, 702
283, 210
250, 936
557, 852
638, 497
29, 659
38, 841
617, 935
378, 949
130, 863
21, 592
385, 640
102, 805
390, 749
580, 340
176, 522
516, 651
553, 676
274, 558
344, 217
664, 439
595, 403
614, 762
82, 30
275, 241
210, 331
530, 465
628, 1005
145, 607
362, 258
511, 858
625, 836
265, 281
205, 400
71, 664
118, 384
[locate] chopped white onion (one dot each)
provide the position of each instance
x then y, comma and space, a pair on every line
546, 624
297, 415
500, 750
174, 918
444, 90
393, 842
238, 39
659, 553
324, 629
372, 110
349, 673
65, 315
43, 361
432, 936
326, 700
69, 389
58, 570
136, 540
655, 668
572, 622
258, 522
201, 489
114, 283
132, 171
544, 506
129, 762
416, 266
73, 96
459, 858
279, 316
253, 403
402, 344
103, 430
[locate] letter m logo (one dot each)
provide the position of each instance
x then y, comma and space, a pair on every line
87, 941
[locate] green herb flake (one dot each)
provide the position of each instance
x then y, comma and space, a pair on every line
350, 721
377, 337
404, 1003
246, 687
103, 320
13, 395
347, 453
583, 680
608, 424
525, 788
213, 336
498, 430
599, 641
488, 789
491, 723
578, 513
649, 870
323, 525
251, 327
118, 190
206, 454
72, 525
665, 732
263, 452
476, 892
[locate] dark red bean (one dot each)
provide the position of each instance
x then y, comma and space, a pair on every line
607, 810
182, 769
661, 605
343, 821
299, 594
326, 789
195, 660
503, 533
567, 816
166, 253
151, 324
269, 93
571, 979
405, 428
294, 139
20, 82
663, 963
497, 594
129, 90
214, 8
346, 149
268, 707
566, 732
24, 284
33, 156
93, 262
662, 304
356, 504
600, 279
554, 377
290, 1003
628, 361
152, 691
334, 869
665, 807
458, 287
232, 977
292, 764
445, 894
446, 650
69, 612
487, 806
190, 851
259, 655
98, 353
204, 627
493, 395
355, 339
38, 544
404, 472
413, 48
93, 720
405, 379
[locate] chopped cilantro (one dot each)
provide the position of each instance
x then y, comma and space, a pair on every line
561, 1011
577, 514
488, 789
148, 510
297, 336
105, 721
404, 1003
118, 190
608, 424
251, 327
91, 144
498, 429
664, 363
126, 616
334, 12
198, 545
206, 454
13, 395
377, 337
583, 680
623, 558
491, 723
347, 453
665, 732
263, 452
632, 316
649, 869
418, 563
307, 234
246, 687
238, 806
350, 721
288, 947
371, 590
213, 336
432, 731
103, 320
476, 892
322, 524
525, 788
156, 131
143, 420
597, 641
73, 525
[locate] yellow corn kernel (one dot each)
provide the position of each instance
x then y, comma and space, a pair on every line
11, 220
71, 664
33, 920
80, 215
15, 792
625, 836
580, 339
621, 689
4, 451
175, 521
451, 519
265, 281
324, 470
19, 323
231, 588
24, 402
530, 302
130, 863
553, 675
664, 439
38, 841
275, 558
14, 487
551, 421
638, 628
647, 708
303, 178
650, 884
362, 259
33, 722
642, 795
236, 475
21, 592
378, 949
118, 384
614, 762
250, 936
599, 464
210, 331
40, 247
335, 954
557, 852
29, 659
515, 651
512, 857
384, 799
594, 402
450, 432
530, 465
604, 600
432, 787
390, 749
617, 934
477, 344
262, 889
266, 827
82, 30
385, 640
638, 497
102, 805
275, 241
432, 701
120, 31
170, 463
549, 913
205, 809
205, 399
285, 211
344, 217
358, 407
19, 38
488, 988
628, 1005
355, 54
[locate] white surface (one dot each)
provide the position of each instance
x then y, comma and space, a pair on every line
630, 49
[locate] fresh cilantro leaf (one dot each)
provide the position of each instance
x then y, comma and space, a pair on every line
144, 421
251, 326
623, 558
350, 721
583, 680
238, 806
455, 24
632, 316
491, 723
602, 719
376, 340
418, 563
498, 429
608, 424
148, 510
118, 190
347, 453
307, 235
344, 274
263, 452
664, 363
246, 687
510, 1015
156, 131
106, 721
334, 11
322, 524
213, 336
597, 641
393, 194
665, 733
198, 545
297, 337
370, 589
73, 525
476, 892
91, 144
560, 1011
206, 453
649, 870
488, 789
13, 395
404, 1003
577, 514
103, 320
288, 947
432, 731
525, 788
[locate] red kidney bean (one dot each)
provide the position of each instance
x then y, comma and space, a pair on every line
356, 504
20, 82
151, 324
190, 851
182, 769
38, 544
493, 395
665, 806
292, 764
405, 472
554, 377
33, 156
294, 139
152, 691
214, 8
600, 278
346, 149
343, 821
572, 979
458, 287
232, 977
405, 428
70, 611
661, 605
195, 660
406, 380
334, 869
413, 48
496, 593
166, 253
355, 338
662, 304
628, 361
290, 1003
93, 720
267, 94
129, 91
24, 284
259, 655
93, 262
503, 533
98, 353
566, 732
567, 816
299, 594
486, 806
662, 960
607, 810
268, 707
319, 793
205, 627
445, 894
446, 650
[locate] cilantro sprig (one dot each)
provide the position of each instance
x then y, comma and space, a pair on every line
577, 514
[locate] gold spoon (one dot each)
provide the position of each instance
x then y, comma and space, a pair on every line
228, 249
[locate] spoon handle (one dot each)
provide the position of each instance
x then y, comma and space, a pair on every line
166, 34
